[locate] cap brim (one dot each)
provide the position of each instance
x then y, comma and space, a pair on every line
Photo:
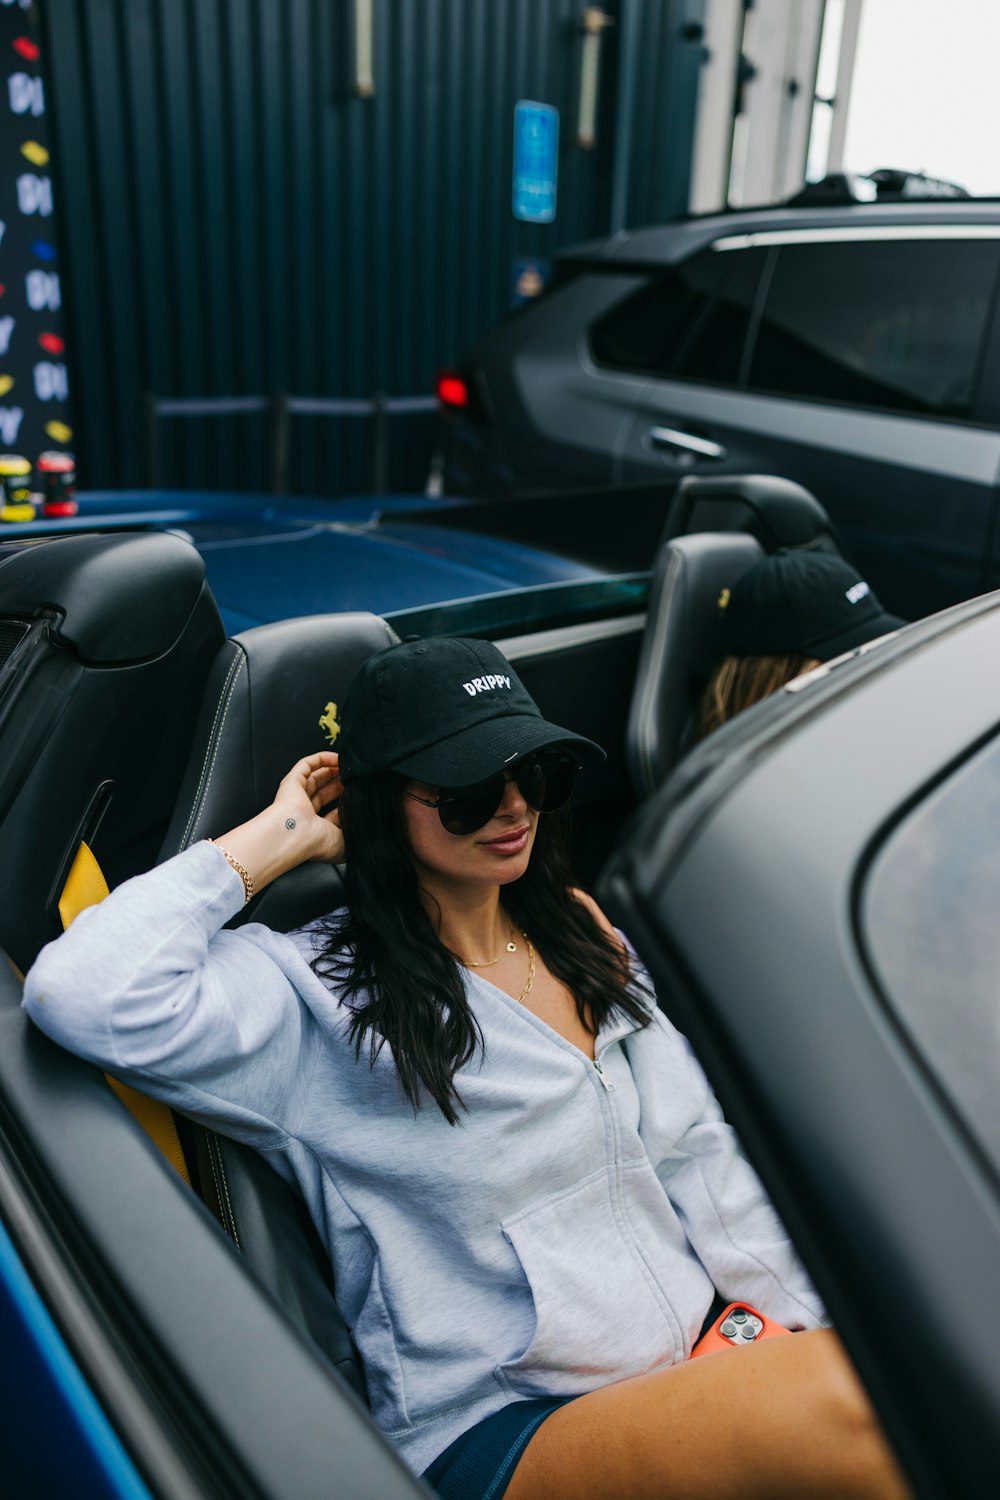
860, 635
487, 747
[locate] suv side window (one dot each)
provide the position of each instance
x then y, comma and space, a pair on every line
897, 324
691, 319
714, 349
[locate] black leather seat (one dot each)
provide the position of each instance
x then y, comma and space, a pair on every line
680, 647
715, 530
105, 644
268, 690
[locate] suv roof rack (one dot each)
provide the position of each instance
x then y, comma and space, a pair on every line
887, 184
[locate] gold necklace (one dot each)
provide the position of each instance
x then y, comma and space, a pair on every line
509, 947
531, 967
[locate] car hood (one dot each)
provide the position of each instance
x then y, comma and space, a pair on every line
300, 569
269, 558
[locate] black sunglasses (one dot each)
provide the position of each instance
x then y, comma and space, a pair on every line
544, 781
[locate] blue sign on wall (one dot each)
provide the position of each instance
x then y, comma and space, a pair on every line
536, 142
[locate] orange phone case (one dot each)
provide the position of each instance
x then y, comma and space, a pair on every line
715, 1340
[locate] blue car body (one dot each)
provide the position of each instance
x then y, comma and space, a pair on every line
270, 559
57, 1439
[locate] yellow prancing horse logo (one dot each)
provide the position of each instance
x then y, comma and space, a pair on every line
328, 721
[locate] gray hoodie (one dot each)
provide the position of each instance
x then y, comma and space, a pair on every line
571, 1230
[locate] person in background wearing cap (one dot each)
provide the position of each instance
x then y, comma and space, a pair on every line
529, 1195
783, 617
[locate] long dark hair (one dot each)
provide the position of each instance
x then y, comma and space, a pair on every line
402, 984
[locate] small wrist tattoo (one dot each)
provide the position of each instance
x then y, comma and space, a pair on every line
289, 823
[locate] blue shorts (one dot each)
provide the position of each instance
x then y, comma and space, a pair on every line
478, 1465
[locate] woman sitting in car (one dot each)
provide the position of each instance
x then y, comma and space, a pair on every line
783, 617
530, 1198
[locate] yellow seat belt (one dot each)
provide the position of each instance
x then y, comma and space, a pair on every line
85, 886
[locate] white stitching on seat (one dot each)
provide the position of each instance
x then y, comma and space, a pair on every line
229, 1206
212, 748
215, 1176
221, 1187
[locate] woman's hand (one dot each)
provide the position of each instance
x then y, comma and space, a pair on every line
306, 804
301, 824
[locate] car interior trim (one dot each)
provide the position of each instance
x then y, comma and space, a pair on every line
175, 1335
520, 647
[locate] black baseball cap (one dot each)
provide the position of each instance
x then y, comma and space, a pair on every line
450, 712
812, 603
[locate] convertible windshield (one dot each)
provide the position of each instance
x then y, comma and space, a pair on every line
518, 612
546, 606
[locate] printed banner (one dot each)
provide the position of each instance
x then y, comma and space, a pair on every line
35, 414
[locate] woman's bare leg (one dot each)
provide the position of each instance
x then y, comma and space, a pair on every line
786, 1418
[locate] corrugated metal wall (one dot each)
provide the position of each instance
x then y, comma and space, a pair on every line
236, 220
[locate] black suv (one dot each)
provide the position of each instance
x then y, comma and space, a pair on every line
853, 347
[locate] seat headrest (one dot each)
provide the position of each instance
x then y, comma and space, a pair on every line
105, 645
778, 512
271, 697
117, 598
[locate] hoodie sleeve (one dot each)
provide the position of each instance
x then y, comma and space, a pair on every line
148, 987
727, 1216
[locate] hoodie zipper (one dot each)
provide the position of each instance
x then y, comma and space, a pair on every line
624, 1224
609, 1086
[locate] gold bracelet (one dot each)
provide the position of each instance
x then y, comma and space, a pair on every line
241, 871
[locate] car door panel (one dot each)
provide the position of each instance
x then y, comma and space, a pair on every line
912, 499
568, 415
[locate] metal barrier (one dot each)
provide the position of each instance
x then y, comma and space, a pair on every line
280, 408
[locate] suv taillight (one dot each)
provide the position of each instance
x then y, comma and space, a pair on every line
454, 390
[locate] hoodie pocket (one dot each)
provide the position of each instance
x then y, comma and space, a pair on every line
599, 1313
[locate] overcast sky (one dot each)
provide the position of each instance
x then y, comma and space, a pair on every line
926, 94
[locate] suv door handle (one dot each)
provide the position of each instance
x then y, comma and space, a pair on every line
669, 437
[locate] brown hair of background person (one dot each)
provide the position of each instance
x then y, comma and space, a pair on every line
786, 615
739, 682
